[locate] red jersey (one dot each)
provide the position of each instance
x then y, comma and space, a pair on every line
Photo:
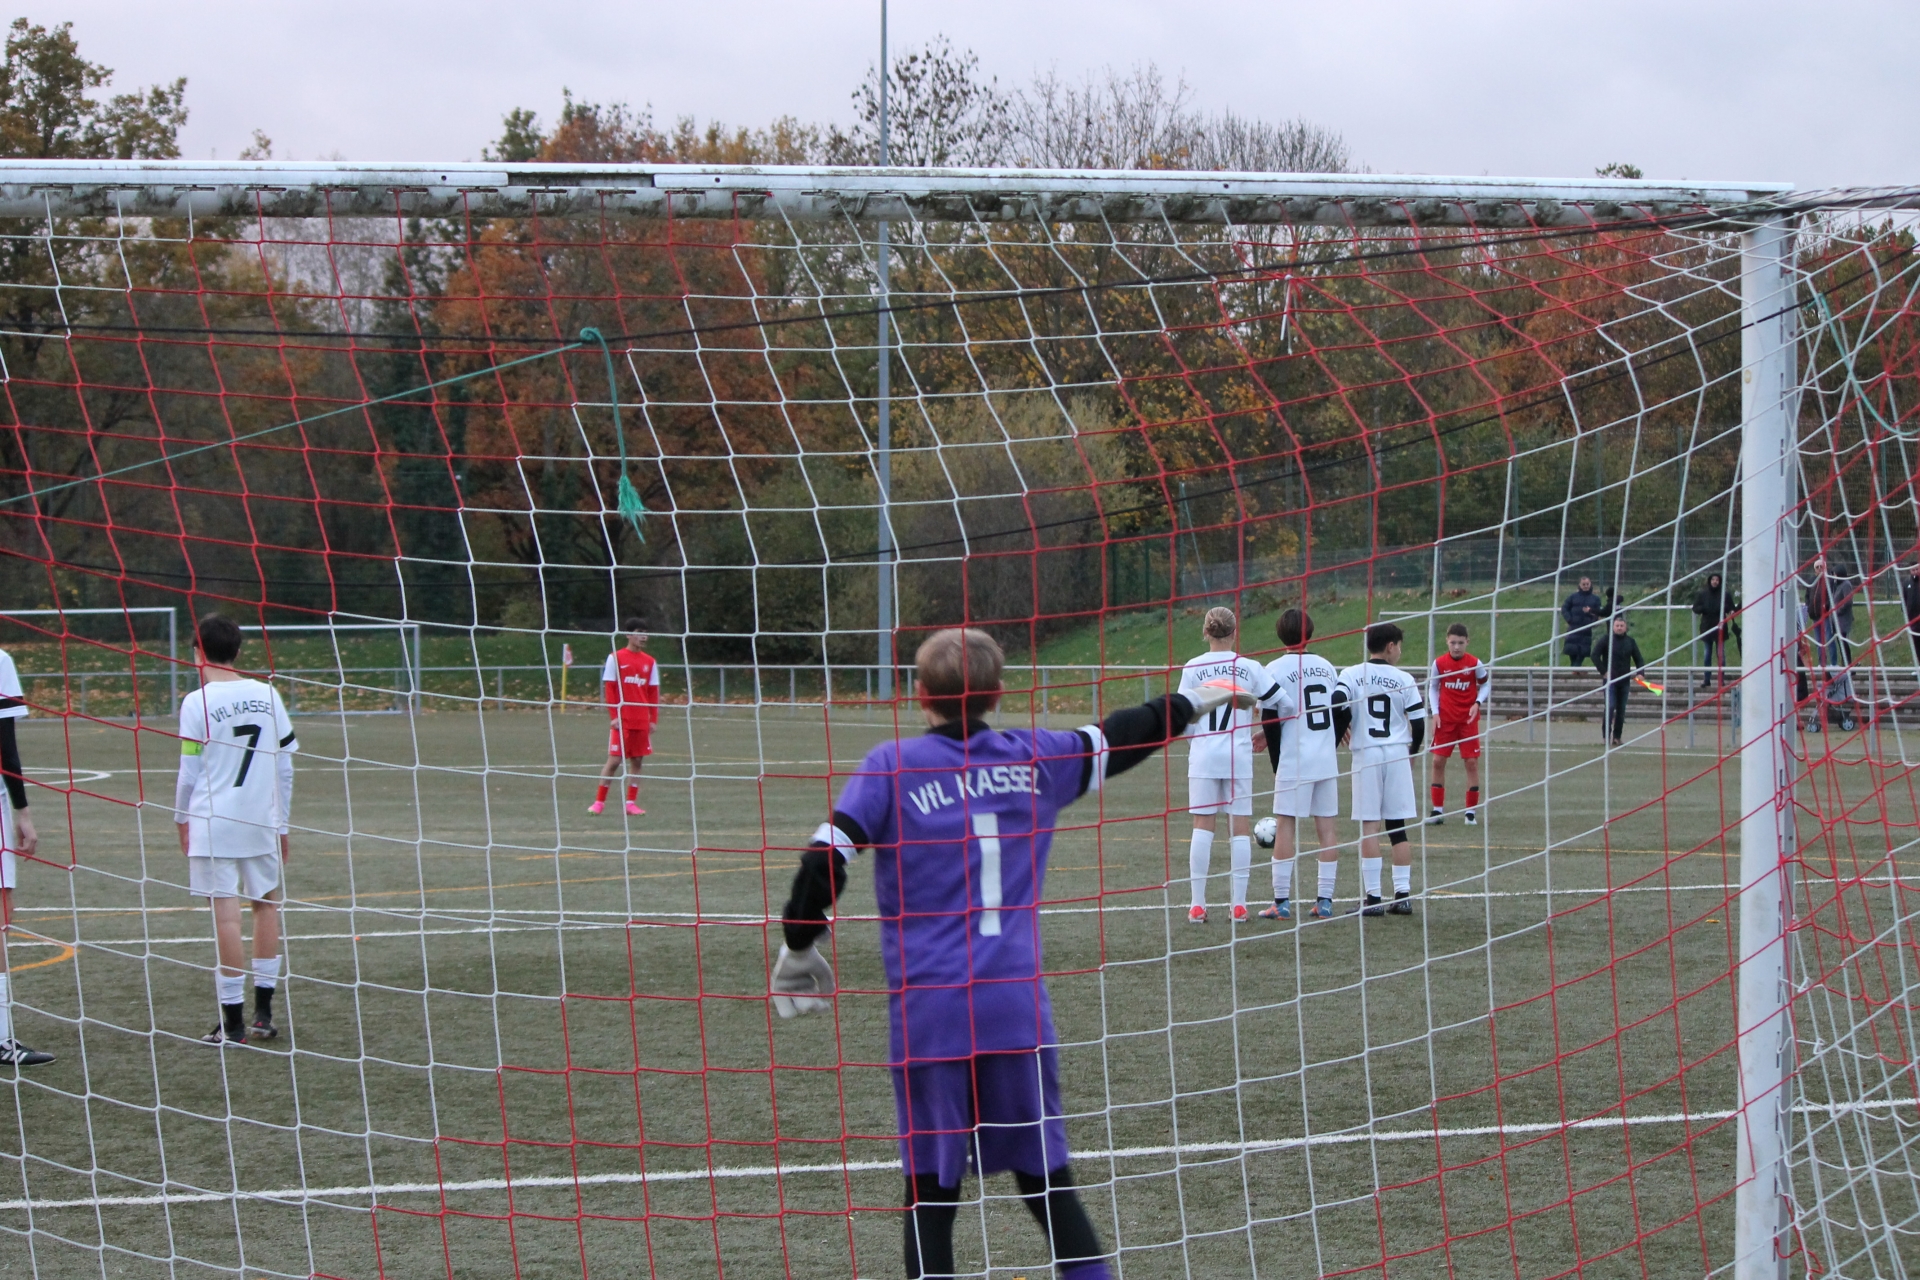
631, 682
1455, 684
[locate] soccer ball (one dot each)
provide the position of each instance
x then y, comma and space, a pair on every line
1265, 832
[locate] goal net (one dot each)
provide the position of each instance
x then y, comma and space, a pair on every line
434, 438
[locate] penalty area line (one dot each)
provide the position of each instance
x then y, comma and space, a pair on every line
298, 1195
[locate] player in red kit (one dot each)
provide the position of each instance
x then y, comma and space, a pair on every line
631, 684
1458, 685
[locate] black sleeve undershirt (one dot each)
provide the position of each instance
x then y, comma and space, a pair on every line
16, 777
1134, 733
1271, 727
1342, 715
1418, 728
817, 884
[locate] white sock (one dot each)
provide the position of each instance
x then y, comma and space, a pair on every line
266, 973
1329, 873
1403, 879
230, 988
1197, 861
6, 1010
1370, 876
1240, 849
1282, 878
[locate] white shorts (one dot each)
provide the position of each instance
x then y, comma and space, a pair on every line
256, 879
8, 871
1319, 799
1211, 795
1384, 790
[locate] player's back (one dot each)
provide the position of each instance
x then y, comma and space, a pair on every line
1385, 700
1222, 741
239, 729
1304, 703
961, 829
1456, 683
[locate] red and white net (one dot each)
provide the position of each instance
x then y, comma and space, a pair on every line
521, 1039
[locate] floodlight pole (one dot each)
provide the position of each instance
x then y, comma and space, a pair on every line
1767, 573
883, 461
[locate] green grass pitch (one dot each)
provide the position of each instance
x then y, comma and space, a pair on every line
488, 983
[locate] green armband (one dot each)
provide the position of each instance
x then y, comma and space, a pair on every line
190, 748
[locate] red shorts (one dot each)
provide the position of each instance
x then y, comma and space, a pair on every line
630, 740
1463, 733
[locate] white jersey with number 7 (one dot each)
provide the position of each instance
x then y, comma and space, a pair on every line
236, 769
1223, 738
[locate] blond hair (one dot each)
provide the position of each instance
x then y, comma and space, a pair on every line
958, 672
1221, 623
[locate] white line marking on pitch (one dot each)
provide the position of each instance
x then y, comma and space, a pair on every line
298, 1195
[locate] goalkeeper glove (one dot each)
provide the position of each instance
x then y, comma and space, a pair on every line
801, 982
1214, 694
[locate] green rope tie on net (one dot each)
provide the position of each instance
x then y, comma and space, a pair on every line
626, 497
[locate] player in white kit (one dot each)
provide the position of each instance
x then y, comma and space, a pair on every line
16, 836
1220, 761
231, 804
1382, 708
1306, 769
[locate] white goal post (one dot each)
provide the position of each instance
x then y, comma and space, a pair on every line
273, 189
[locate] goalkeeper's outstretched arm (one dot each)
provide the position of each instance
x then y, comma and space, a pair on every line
802, 978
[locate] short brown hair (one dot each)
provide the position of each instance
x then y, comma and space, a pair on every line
1220, 622
1382, 634
958, 673
219, 638
1458, 629
1295, 627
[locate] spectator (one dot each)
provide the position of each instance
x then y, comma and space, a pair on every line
1715, 606
1910, 597
1846, 585
1616, 658
1829, 601
1580, 611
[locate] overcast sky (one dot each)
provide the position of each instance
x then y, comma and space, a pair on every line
1818, 94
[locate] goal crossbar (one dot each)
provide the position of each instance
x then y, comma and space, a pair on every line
273, 189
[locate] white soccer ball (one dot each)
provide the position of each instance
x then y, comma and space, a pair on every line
1265, 832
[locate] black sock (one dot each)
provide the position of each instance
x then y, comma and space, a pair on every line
234, 1017
263, 1003
931, 1209
1056, 1207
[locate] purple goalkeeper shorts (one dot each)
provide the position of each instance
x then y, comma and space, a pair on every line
1009, 1102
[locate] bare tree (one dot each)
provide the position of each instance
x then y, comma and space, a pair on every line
1122, 120
1137, 119
1230, 141
940, 112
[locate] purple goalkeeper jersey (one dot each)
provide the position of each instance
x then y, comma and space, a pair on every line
960, 831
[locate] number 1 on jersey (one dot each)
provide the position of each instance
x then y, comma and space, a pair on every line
986, 831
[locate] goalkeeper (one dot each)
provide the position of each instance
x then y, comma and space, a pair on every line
960, 821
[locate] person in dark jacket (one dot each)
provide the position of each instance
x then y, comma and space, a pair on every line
1846, 585
1715, 606
1616, 658
1580, 611
1829, 599
1910, 597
